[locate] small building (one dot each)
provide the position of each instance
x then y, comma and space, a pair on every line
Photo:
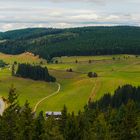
56, 115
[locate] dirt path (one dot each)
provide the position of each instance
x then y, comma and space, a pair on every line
39, 102
2, 106
94, 89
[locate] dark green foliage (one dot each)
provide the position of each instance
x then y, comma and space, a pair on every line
92, 74
94, 123
49, 43
56, 61
76, 61
2, 64
15, 62
89, 61
28, 33
13, 69
121, 96
69, 70
34, 72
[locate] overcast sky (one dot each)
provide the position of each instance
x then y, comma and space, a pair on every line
16, 14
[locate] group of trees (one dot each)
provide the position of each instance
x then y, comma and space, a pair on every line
121, 96
49, 43
69, 70
34, 72
94, 123
2, 64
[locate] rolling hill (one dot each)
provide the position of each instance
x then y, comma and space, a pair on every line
49, 42
75, 87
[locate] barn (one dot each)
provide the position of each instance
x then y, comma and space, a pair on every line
56, 115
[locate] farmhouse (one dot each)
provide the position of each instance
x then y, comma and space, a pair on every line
54, 114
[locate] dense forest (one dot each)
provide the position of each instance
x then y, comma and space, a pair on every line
49, 42
119, 119
34, 72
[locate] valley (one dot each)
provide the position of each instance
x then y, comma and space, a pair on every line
76, 87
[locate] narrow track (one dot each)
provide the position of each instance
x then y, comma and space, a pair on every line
94, 89
39, 102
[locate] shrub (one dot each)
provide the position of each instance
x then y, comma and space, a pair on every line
69, 70
92, 74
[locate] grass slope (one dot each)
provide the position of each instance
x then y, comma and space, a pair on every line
27, 89
21, 58
77, 90
76, 87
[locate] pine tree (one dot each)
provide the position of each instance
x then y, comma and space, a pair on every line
39, 127
63, 119
25, 123
10, 117
13, 70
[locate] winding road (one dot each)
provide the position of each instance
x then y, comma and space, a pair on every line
2, 106
39, 102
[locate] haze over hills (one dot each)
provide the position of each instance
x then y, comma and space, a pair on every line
51, 42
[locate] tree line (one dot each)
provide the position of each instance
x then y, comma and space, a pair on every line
49, 43
94, 123
121, 96
34, 72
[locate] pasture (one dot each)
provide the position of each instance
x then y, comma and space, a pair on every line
76, 87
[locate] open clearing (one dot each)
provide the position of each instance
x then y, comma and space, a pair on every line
76, 87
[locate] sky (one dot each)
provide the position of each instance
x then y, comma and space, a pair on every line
16, 14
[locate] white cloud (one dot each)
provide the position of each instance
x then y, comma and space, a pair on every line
113, 17
7, 26
40, 13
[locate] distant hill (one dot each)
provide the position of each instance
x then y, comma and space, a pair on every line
49, 42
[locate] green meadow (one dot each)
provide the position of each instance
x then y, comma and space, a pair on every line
76, 87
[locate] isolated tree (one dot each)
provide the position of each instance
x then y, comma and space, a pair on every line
92, 74
56, 61
13, 70
41, 62
15, 62
89, 61
113, 58
2, 63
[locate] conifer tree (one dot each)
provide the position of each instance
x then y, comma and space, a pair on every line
13, 70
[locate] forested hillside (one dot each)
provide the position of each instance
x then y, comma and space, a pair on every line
49, 43
121, 123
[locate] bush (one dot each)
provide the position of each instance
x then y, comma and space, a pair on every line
69, 70
56, 61
89, 61
92, 74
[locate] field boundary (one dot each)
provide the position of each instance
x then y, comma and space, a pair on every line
94, 89
39, 102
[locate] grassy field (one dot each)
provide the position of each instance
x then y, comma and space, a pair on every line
26, 89
21, 58
76, 87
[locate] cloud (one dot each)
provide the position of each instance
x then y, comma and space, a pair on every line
59, 13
